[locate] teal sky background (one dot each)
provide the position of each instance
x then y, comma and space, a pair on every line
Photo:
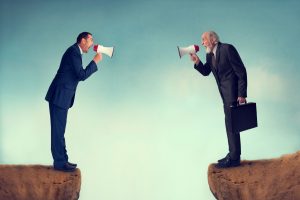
146, 125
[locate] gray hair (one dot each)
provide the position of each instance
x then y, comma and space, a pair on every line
213, 36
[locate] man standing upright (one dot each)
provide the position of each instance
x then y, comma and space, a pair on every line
61, 94
224, 62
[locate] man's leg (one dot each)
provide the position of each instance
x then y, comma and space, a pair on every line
234, 141
58, 117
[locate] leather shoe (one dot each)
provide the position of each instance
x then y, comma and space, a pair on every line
65, 168
223, 159
72, 164
228, 162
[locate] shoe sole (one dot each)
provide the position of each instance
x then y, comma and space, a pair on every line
65, 170
235, 165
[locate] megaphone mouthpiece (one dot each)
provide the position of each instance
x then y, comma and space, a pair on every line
95, 47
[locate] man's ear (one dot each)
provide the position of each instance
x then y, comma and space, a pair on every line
83, 41
214, 41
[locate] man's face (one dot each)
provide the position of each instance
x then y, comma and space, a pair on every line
207, 43
87, 43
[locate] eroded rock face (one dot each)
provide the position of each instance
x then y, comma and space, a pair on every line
274, 179
37, 182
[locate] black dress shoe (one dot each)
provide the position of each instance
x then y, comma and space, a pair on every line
223, 159
65, 168
228, 162
72, 164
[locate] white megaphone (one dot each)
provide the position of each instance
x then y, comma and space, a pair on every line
106, 50
187, 50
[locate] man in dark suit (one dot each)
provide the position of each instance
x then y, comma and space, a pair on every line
61, 94
224, 62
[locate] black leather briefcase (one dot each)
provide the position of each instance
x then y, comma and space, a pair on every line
243, 117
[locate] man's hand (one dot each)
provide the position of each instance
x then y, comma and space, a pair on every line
97, 58
195, 58
241, 100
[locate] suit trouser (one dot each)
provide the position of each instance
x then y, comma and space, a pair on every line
234, 141
58, 118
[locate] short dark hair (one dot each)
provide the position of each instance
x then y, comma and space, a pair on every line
82, 35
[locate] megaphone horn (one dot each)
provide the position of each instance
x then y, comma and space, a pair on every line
187, 50
106, 50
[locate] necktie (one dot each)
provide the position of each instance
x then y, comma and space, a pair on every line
213, 61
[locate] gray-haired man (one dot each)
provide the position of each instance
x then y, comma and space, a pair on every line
224, 62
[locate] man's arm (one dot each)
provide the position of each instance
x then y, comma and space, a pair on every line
198, 65
81, 73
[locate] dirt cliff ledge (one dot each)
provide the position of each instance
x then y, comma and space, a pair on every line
274, 179
37, 182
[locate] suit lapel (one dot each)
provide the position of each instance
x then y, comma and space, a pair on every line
218, 54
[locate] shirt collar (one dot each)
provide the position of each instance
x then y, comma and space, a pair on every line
81, 52
215, 49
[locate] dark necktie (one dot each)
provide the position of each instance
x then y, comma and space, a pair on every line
213, 60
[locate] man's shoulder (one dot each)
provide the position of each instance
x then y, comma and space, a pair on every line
73, 49
226, 47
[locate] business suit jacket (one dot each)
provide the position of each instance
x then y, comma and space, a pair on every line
63, 87
230, 73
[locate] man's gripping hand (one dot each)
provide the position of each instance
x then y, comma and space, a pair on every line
195, 58
97, 58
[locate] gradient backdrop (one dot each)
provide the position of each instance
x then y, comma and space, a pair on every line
146, 125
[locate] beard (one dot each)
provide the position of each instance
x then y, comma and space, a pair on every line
208, 50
